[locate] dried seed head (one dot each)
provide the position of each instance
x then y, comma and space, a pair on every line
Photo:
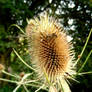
49, 47
22, 74
1, 67
79, 56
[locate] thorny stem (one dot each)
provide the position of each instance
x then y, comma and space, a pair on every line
23, 60
83, 48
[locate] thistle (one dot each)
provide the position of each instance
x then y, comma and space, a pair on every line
50, 51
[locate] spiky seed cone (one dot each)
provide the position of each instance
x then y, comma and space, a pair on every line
49, 48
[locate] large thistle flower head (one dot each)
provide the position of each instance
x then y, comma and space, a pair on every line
50, 51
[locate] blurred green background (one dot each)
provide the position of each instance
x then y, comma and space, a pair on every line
74, 15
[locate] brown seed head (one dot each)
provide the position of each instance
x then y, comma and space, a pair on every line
49, 46
1, 67
22, 74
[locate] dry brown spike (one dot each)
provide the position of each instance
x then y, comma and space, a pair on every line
49, 47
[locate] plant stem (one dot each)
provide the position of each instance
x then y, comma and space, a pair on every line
61, 86
23, 60
30, 81
35, 86
46, 76
17, 27
85, 61
83, 48
85, 73
40, 88
10, 74
8, 80
25, 88
16, 88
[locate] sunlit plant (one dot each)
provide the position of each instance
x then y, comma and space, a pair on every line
51, 55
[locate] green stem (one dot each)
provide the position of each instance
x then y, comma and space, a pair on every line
25, 88
17, 27
10, 74
23, 60
16, 88
85, 61
46, 76
40, 88
8, 80
30, 81
83, 48
33, 85
85, 73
